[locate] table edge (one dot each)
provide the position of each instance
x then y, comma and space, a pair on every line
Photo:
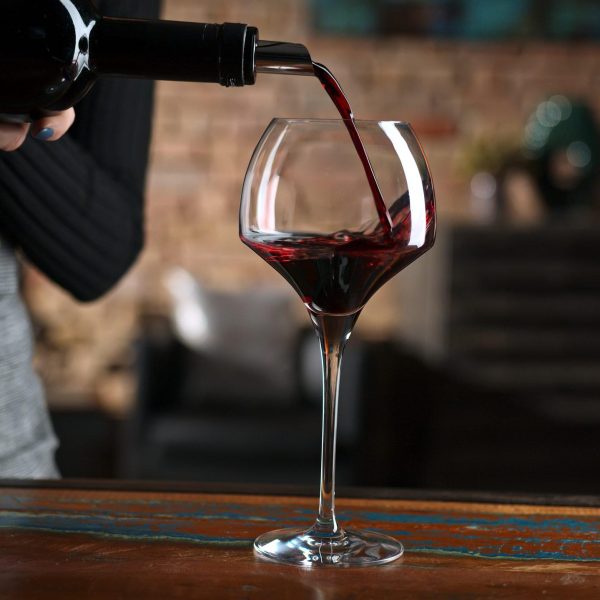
466, 496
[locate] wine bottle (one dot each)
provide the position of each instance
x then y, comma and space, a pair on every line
52, 52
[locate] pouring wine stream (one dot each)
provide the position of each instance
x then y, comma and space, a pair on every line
334, 91
294, 59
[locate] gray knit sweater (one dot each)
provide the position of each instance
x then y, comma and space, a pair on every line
27, 442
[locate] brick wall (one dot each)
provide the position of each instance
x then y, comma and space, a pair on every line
204, 135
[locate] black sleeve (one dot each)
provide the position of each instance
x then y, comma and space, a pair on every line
76, 207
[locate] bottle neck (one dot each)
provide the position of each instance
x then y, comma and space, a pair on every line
174, 51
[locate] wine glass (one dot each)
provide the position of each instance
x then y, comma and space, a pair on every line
307, 210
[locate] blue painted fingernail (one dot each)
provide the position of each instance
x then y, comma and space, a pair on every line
44, 134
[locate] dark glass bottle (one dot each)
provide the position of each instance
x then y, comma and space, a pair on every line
52, 51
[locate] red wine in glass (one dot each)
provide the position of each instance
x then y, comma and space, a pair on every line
336, 274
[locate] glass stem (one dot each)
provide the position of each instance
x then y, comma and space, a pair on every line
333, 333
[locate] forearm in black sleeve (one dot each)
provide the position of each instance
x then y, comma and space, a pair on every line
76, 223
77, 212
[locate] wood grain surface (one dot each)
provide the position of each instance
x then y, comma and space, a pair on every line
68, 543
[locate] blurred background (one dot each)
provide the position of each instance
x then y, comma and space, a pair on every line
476, 368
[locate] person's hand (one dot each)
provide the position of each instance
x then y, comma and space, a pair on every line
48, 129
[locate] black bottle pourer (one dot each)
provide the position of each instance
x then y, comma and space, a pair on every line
282, 58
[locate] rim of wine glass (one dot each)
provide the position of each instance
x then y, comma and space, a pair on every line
340, 120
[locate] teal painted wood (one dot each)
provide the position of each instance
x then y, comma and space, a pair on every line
207, 520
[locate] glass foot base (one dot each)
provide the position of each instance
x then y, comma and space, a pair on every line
347, 548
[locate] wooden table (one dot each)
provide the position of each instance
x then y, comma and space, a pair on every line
80, 541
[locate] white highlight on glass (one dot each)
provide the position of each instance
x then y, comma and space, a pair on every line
413, 180
267, 190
